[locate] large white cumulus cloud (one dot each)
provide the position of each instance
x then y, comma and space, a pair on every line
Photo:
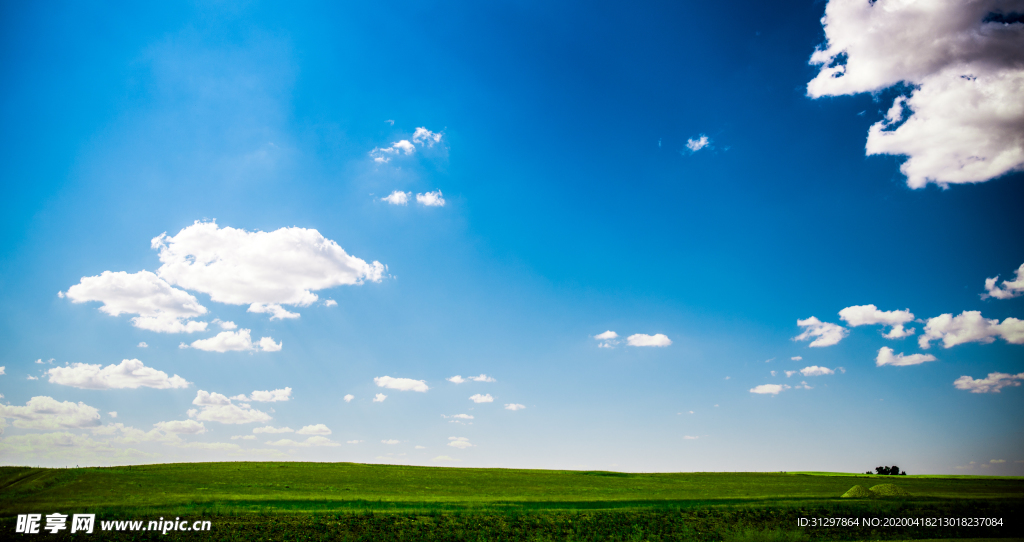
964, 63
261, 269
130, 373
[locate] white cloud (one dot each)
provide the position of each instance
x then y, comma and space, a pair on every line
383, 155
418, 447
352, 441
606, 336
968, 327
330, 303
379, 398
276, 312
772, 389
234, 341
143, 345
311, 441
159, 306
514, 406
397, 198
964, 69
814, 370
457, 379
424, 136
401, 384
391, 441
42, 412
688, 437
224, 325
130, 373
30, 377
827, 334
459, 442
260, 269
271, 429
318, 429
697, 144
271, 396
482, 378
640, 339
431, 199
1006, 290
459, 416
866, 315
181, 427
885, 357
997, 461
477, 398
444, 458
112, 414
3, 370
219, 408
348, 398
267, 344
993, 383
797, 358
243, 437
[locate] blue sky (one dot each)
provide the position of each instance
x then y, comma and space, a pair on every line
685, 175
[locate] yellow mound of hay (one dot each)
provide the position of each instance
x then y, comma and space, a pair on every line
889, 490
858, 492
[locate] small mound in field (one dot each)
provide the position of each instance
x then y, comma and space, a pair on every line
858, 492
889, 490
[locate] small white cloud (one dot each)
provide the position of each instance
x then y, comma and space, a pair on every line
276, 311
226, 341
330, 303
993, 383
3, 370
773, 389
803, 385
391, 441
482, 378
225, 325
243, 437
348, 398
997, 461
130, 374
143, 345
383, 155
219, 408
886, 357
30, 377
827, 334
112, 414
606, 336
688, 437
318, 429
640, 339
379, 398
791, 373
240, 397
459, 416
774, 373
431, 199
456, 379
353, 441
477, 398
514, 406
797, 358
459, 442
865, 315
311, 441
391, 122
698, 143
267, 344
418, 447
423, 136
271, 429
397, 198
1006, 290
271, 396
401, 384
814, 370
968, 327
444, 459
183, 427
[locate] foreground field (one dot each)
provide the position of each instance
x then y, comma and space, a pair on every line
328, 501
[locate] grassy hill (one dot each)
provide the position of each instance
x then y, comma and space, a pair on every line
249, 495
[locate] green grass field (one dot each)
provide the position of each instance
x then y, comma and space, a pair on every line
328, 501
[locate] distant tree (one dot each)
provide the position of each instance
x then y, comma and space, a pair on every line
892, 471
868, 472
903, 473
881, 470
